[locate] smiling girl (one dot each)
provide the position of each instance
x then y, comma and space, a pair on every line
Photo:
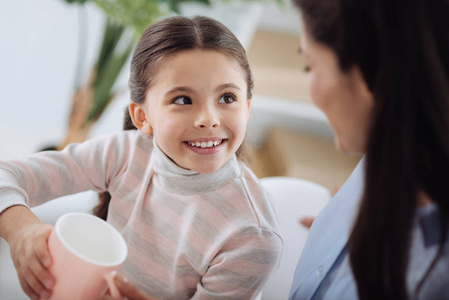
196, 221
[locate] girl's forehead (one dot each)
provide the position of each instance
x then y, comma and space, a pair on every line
196, 56
191, 64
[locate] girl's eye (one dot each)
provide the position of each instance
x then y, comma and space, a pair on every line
227, 98
182, 100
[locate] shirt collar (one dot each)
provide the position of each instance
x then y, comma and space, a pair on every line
429, 222
187, 182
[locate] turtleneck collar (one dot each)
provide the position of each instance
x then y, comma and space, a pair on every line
187, 182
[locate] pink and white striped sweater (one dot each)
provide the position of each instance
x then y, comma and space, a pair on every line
190, 235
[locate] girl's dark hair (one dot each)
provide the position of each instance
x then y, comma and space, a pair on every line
402, 50
169, 37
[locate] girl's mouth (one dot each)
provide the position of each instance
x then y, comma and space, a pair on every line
205, 144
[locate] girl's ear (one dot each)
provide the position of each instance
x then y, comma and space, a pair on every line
139, 118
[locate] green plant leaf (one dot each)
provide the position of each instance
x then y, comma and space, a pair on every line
136, 14
174, 4
104, 83
112, 34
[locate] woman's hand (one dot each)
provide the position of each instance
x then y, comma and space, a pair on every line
29, 251
308, 221
128, 290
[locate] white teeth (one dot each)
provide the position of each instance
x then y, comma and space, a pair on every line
208, 144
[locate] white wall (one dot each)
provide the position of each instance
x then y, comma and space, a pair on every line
39, 40
38, 52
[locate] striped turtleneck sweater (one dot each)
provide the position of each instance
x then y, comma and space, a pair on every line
189, 235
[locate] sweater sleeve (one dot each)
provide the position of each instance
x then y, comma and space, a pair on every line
242, 266
47, 175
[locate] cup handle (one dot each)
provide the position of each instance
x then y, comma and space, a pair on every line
115, 293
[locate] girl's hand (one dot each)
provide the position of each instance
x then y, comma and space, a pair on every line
32, 259
128, 290
27, 238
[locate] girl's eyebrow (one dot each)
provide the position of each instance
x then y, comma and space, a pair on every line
226, 86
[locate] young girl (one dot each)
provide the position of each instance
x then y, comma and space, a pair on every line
196, 221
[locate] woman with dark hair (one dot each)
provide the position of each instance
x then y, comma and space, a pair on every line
380, 72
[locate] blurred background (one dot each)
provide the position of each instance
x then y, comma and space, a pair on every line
64, 68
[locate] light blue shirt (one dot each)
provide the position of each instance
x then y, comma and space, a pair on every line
325, 243
323, 271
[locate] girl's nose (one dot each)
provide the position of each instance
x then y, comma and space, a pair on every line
207, 118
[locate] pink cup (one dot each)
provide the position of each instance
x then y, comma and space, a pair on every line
85, 250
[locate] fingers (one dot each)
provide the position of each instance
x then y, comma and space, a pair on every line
37, 277
43, 264
32, 260
42, 252
34, 283
23, 283
130, 291
27, 289
307, 221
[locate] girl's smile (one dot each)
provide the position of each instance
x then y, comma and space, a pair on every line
197, 109
206, 146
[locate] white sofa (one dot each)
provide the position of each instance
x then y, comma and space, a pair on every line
292, 197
